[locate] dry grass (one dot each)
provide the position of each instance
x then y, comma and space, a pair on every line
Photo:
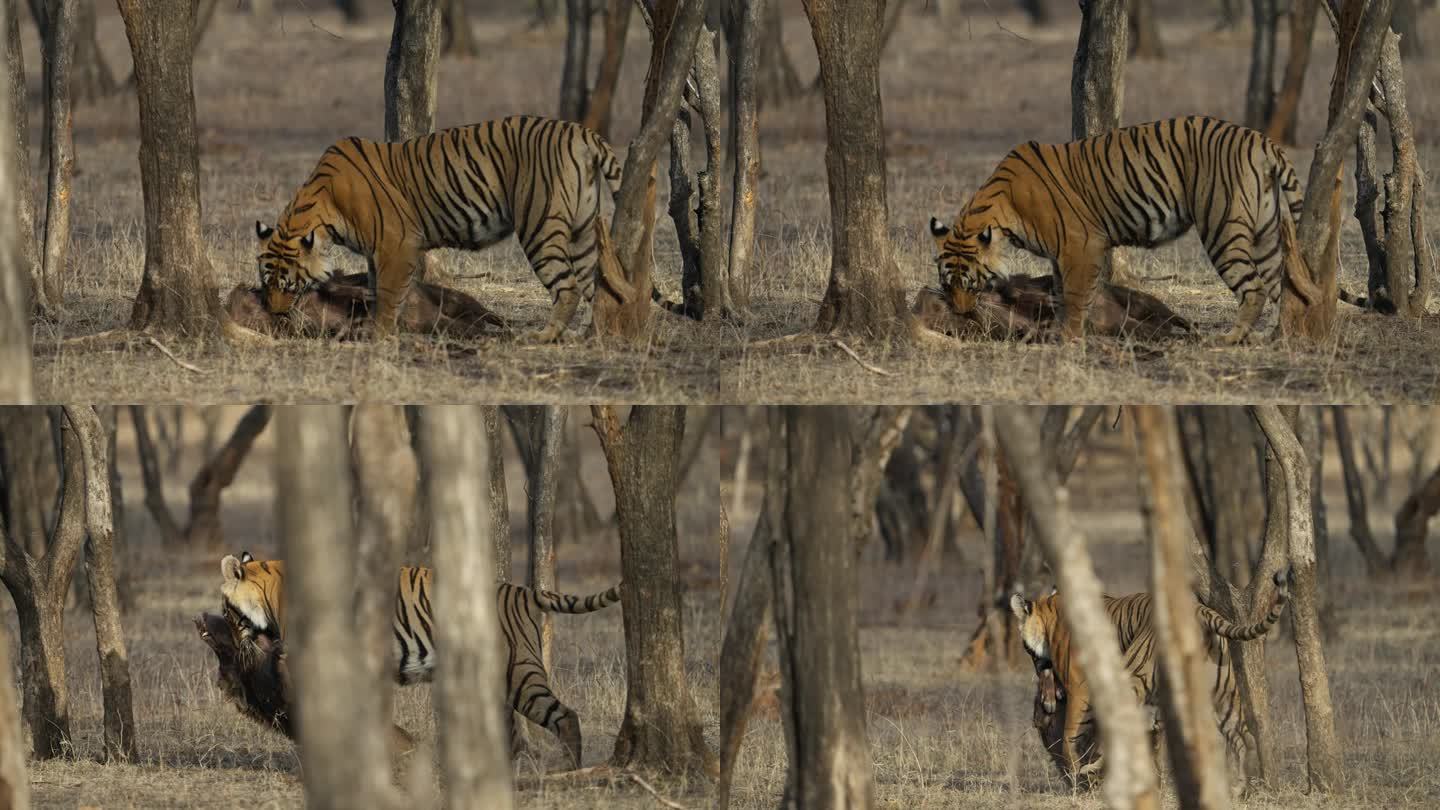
270, 97
957, 97
198, 751
942, 737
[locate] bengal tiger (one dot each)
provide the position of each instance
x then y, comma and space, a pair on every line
1062, 685
1140, 186
252, 596
467, 187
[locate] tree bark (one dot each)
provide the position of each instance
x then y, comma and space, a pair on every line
411, 70
1362, 26
816, 604
14, 782
1412, 524
469, 694
41, 298
59, 50
1259, 89
1322, 746
119, 711
744, 143
546, 428
177, 292
17, 386
714, 299
742, 648
1129, 773
865, 295
1097, 84
602, 96
1285, 113
661, 728
574, 100
1196, 756
499, 498
217, 474
1145, 42
341, 731
1375, 561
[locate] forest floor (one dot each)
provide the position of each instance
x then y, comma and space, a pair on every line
197, 750
942, 736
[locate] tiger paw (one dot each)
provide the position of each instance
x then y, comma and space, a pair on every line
540, 337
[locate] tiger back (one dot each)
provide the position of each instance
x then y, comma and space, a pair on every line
467, 187
1047, 640
1138, 186
253, 598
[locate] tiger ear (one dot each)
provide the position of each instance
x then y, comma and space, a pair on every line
1020, 606
262, 230
308, 240
938, 229
1054, 590
231, 569
245, 557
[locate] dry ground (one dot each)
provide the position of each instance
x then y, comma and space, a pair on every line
944, 738
198, 751
957, 97
270, 97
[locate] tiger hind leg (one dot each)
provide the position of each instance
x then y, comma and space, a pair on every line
557, 274
544, 709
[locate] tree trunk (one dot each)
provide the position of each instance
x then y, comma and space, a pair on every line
574, 101
1375, 561
865, 295
1412, 524
17, 386
469, 694
43, 297
1285, 112
59, 50
682, 213
546, 429
1322, 746
742, 647
119, 711
602, 96
744, 55
178, 292
14, 782
714, 298
1259, 89
1196, 756
499, 498
1225, 474
661, 729
217, 474
1129, 774
816, 602
341, 731
1362, 26
150, 475
457, 39
385, 476
1145, 42
412, 81
1097, 86
776, 79
877, 436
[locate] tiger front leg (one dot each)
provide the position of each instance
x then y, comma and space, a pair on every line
566, 302
394, 277
1079, 281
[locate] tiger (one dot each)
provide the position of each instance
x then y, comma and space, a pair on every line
252, 597
1138, 186
467, 187
1063, 688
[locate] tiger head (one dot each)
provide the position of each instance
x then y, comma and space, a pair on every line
967, 253
251, 596
1039, 627
290, 262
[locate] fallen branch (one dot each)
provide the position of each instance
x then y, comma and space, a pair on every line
181, 363
853, 356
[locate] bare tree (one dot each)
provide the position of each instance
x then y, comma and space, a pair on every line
743, 645
59, 51
1375, 561
218, 473
545, 430
816, 605
1260, 87
1129, 774
499, 498
17, 384
468, 684
1097, 84
743, 36
661, 728
1362, 26
1196, 755
1285, 112
1294, 502
14, 782
602, 95
865, 295
151, 477
341, 731
1223, 463
574, 102
42, 299
1145, 42
177, 292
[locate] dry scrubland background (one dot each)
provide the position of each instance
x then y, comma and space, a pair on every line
198, 751
957, 96
944, 738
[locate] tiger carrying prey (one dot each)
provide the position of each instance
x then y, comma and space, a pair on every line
253, 599
1140, 186
467, 187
